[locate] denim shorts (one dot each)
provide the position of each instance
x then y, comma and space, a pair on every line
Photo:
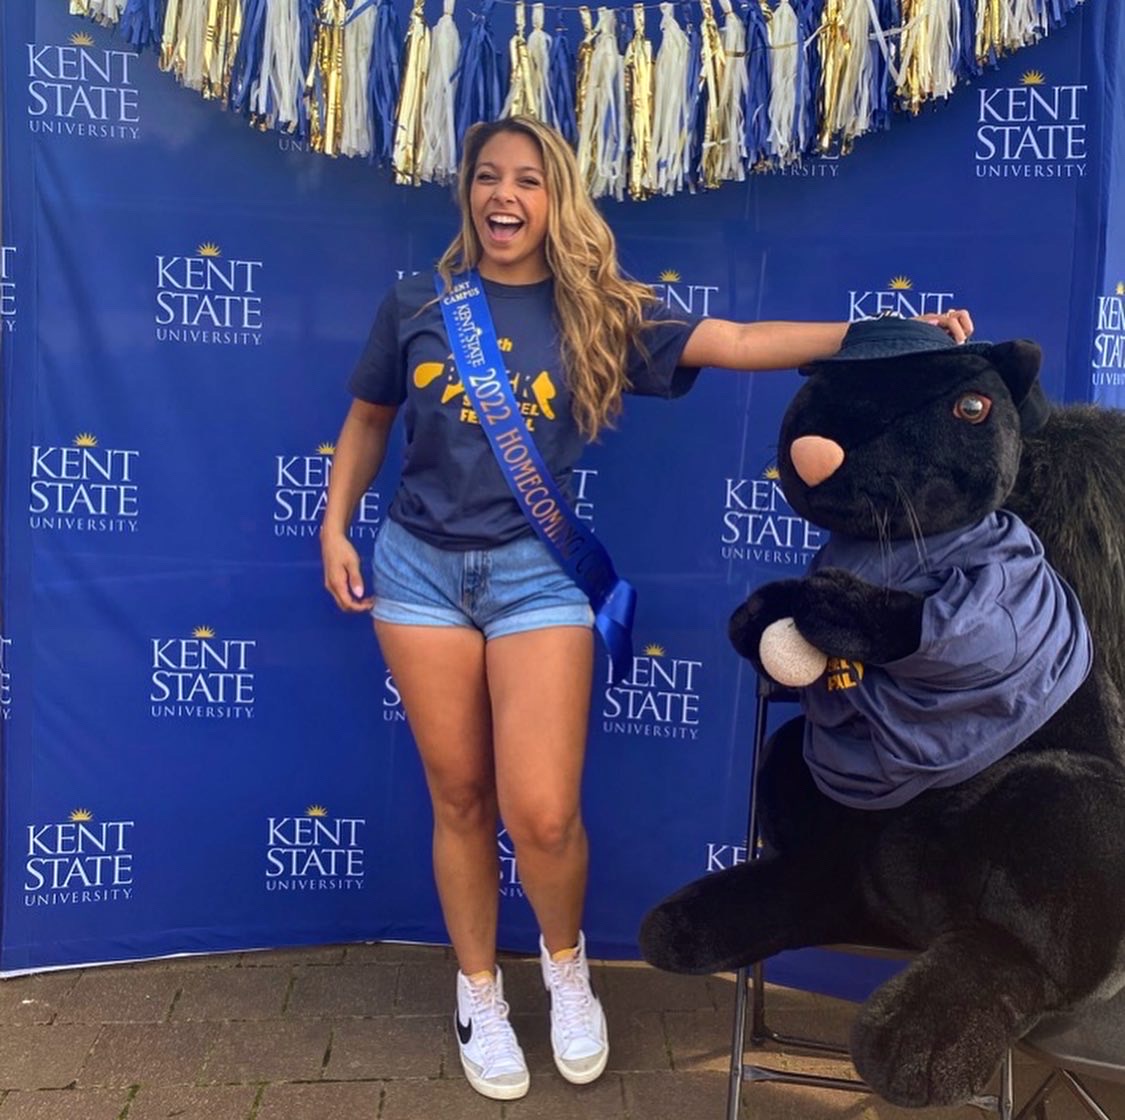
503, 590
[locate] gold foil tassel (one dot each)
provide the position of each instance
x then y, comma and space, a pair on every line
713, 58
639, 97
220, 44
327, 64
582, 65
406, 155
521, 99
930, 30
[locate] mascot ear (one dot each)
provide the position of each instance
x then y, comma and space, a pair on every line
1018, 364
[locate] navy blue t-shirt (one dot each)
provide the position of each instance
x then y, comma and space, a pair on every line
1004, 645
453, 494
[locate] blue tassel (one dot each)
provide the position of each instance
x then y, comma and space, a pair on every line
142, 22
757, 106
808, 76
383, 79
882, 89
480, 91
967, 64
560, 84
248, 58
694, 103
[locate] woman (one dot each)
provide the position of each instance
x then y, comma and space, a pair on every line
464, 591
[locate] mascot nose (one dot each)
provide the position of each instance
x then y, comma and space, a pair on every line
815, 458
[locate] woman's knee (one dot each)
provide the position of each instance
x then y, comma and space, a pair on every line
464, 807
549, 832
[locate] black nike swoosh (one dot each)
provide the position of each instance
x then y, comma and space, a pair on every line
464, 1030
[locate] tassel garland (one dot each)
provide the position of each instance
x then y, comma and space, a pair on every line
779, 82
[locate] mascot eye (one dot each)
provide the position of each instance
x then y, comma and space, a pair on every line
972, 407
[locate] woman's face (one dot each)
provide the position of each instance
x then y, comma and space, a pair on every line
508, 206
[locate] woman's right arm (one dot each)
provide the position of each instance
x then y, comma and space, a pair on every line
360, 448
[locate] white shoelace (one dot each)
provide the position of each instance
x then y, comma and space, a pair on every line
497, 1039
572, 999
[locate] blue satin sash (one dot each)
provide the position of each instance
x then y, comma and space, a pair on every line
581, 555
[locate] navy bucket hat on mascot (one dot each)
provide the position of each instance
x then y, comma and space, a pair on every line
890, 336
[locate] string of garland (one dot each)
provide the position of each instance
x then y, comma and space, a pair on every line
779, 81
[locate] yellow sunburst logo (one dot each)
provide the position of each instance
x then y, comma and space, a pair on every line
85, 439
1121, 287
326, 449
209, 249
772, 473
81, 39
203, 632
1033, 78
900, 284
81, 815
316, 811
654, 650
670, 276
505, 344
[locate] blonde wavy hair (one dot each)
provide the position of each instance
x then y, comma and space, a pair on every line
599, 312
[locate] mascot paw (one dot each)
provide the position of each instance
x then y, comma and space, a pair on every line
788, 657
678, 935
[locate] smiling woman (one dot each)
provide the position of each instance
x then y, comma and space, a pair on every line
482, 614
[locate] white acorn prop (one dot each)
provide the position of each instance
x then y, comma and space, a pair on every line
788, 657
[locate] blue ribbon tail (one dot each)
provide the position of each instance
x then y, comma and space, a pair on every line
614, 621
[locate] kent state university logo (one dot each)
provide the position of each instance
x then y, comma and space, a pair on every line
7, 289
301, 493
315, 852
208, 299
393, 711
82, 90
820, 166
659, 698
84, 487
1033, 130
759, 524
722, 857
78, 861
680, 295
899, 297
1109, 339
510, 885
5, 679
203, 676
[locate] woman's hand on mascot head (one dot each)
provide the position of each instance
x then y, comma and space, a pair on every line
957, 323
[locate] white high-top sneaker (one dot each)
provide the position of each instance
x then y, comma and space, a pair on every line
578, 1031
490, 1055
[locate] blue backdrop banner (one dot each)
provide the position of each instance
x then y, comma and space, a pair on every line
199, 751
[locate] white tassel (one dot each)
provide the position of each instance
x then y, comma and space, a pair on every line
192, 29
539, 56
670, 126
1025, 23
603, 129
355, 132
732, 94
928, 50
280, 73
784, 36
438, 158
105, 12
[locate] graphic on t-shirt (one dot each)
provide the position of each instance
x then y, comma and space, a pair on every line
841, 673
534, 394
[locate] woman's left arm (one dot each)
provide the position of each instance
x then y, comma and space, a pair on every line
783, 345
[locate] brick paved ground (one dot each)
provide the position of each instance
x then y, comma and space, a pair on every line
361, 1032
